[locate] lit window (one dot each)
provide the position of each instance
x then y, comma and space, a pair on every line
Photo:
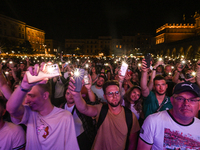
120, 46
49, 49
117, 46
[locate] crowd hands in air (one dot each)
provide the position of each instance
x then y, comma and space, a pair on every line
101, 107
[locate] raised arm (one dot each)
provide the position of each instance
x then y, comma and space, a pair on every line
14, 105
90, 92
175, 78
143, 81
5, 89
150, 84
198, 73
81, 105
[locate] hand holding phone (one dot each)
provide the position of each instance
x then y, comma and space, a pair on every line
148, 59
78, 77
49, 71
124, 68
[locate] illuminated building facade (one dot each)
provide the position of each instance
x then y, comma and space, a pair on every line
18, 31
108, 45
175, 40
174, 32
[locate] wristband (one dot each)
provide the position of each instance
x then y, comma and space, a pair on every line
24, 90
179, 71
154, 68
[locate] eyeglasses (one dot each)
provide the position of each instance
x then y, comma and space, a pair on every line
111, 94
182, 99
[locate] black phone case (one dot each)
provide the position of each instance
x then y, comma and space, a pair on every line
148, 59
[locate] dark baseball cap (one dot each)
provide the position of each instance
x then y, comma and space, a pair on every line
186, 87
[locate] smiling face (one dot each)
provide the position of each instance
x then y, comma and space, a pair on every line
184, 110
135, 95
35, 99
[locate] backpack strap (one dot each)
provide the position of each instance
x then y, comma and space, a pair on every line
63, 105
129, 123
102, 116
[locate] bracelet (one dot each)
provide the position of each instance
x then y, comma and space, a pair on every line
24, 90
154, 68
179, 71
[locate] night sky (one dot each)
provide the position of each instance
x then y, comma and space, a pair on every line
62, 19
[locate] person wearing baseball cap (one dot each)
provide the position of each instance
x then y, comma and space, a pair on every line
176, 128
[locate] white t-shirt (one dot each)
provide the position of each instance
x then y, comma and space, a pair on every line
54, 131
132, 108
163, 132
77, 121
99, 93
11, 137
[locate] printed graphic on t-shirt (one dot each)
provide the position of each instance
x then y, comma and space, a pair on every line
42, 129
178, 140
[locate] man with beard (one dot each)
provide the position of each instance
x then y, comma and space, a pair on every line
113, 131
97, 88
154, 101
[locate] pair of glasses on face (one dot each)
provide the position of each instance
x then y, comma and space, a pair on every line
111, 94
191, 100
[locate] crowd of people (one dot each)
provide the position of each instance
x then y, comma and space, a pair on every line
154, 107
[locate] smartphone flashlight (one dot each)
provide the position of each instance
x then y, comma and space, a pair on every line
193, 73
86, 65
76, 73
6, 73
183, 61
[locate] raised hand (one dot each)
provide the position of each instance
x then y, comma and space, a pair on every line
144, 66
34, 70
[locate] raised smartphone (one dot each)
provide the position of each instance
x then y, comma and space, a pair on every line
123, 68
148, 59
49, 71
78, 77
